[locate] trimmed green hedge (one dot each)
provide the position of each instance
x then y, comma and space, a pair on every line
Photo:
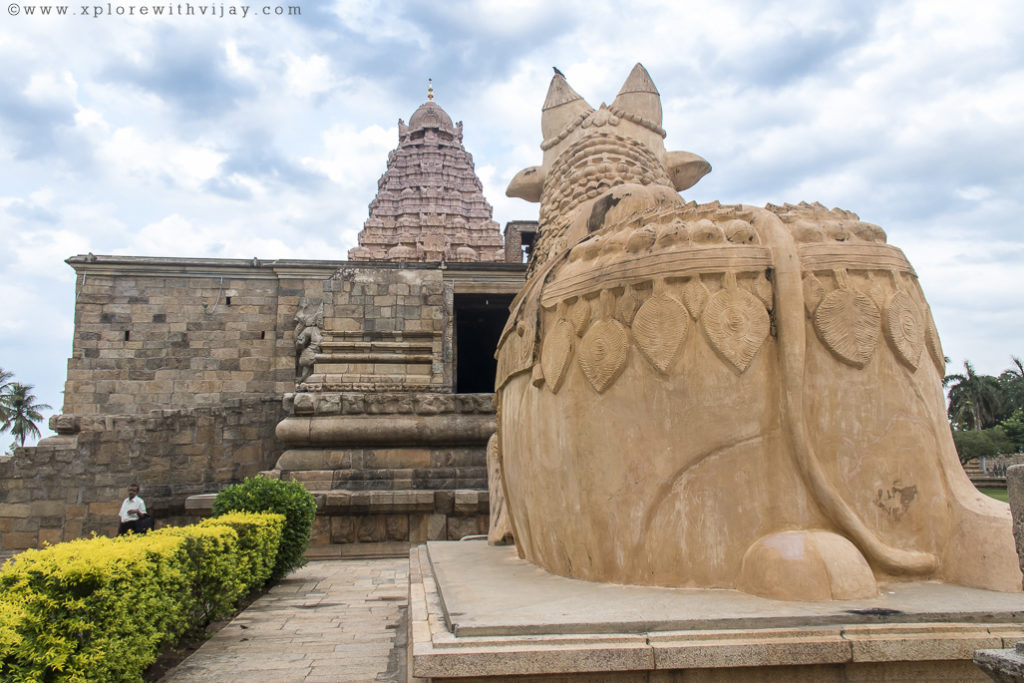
99, 609
230, 557
289, 498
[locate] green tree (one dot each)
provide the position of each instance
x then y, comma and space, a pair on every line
975, 443
1013, 427
21, 412
975, 401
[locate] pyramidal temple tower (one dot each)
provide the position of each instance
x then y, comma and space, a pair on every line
430, 204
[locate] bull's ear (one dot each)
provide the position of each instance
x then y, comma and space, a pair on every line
685, 169
526, 184
561, 106
638, 96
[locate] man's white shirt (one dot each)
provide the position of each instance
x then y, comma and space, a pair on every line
136, 505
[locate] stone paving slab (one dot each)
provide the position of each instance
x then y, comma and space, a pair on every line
333, 620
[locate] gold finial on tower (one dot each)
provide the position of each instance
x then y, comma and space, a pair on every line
430, 89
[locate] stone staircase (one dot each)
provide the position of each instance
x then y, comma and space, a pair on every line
990, 472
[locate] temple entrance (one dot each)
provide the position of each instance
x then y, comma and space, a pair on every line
479, 319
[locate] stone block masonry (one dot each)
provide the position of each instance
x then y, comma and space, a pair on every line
157, 333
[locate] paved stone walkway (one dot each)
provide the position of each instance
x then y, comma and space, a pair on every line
336, 620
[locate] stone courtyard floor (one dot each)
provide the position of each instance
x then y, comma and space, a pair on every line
334, 620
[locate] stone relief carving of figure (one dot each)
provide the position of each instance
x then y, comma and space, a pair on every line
309, 320
722, 396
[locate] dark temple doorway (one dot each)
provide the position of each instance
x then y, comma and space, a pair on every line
479, 319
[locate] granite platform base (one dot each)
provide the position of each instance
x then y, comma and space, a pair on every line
479, 613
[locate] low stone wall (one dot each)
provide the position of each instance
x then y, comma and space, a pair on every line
72, 484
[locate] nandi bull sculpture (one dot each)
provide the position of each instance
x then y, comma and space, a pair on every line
721, 396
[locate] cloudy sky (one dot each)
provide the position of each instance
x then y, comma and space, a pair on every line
224, 136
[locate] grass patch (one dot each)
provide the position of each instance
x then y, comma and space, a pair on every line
998, 494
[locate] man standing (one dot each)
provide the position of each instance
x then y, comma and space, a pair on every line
133, 510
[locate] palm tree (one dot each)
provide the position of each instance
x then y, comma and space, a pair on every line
974, 400
5, 384
21, 412
1012, 383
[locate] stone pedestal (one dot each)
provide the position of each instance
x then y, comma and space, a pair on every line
479, 613
389, 468
1007, 665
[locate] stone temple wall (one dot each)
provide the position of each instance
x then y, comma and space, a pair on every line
157, 333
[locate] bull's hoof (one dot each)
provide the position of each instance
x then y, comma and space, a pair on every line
806, 565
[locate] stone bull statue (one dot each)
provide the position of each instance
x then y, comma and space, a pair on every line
721, 396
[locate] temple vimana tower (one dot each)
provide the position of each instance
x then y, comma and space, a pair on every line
369, 380
430, 204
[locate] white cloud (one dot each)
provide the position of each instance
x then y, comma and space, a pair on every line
379, 21
21, 311
503, 18
52, 88
90, 119
975, 192
129, 152
39, 253
174, 236
239, 64
312, 76
353, 156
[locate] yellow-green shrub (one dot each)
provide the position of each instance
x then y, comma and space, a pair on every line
99, 609
216, 570
11, 616
259, 537
94, 609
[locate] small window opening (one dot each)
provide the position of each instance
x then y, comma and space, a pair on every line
127, 335
263, 334
227, 300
